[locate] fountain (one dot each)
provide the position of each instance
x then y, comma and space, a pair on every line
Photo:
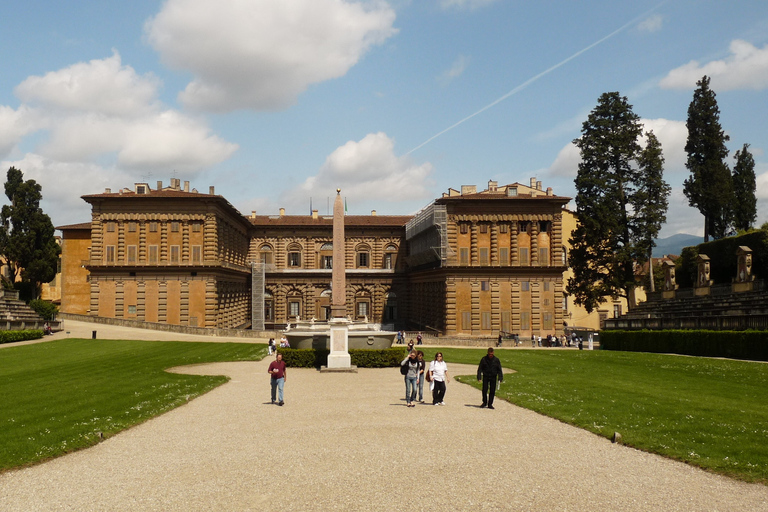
340, 333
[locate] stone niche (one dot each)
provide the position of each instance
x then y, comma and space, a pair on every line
744, 280
703, 282
669, 280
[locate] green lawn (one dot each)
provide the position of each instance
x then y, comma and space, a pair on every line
711, 413
57, 396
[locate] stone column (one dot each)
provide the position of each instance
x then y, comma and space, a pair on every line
339, 358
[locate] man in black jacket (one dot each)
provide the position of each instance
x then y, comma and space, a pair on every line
489, 369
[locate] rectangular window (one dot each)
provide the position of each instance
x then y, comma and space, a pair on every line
463, 228
546, 286
294, 308
546, 321
362, 309
327, 262
131, 310
485, 286
483, 255
268, 309
110, 254
503, 256
545, 302
503, 228
362, 260
294, 259
466, 321
544, 257
197, 227
153, 254
197, 253
525, 321
266, 257
153, 227
464, 256
505, 324
131, 227
483, 228
485, 320
110, 227
524, 256
175, 254
616, 310
387, 261
131, 254
525, 286
175, 227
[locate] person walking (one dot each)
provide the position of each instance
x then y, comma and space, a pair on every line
422, 374
488, 370
411, 373
438, 373
277, 372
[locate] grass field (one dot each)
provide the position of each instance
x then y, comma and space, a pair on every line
57, 396
711, 413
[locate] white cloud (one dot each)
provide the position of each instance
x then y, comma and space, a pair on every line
262, 54
104, 86
465, 4
671, 134
745, 68
14, 125
456, 70
651, 23
367, 169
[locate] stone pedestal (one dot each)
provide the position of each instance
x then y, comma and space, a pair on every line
339, 359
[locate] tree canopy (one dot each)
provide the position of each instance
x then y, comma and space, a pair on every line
744, 189
621, 202
709, 188
28, 247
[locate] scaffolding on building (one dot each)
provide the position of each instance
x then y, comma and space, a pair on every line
427, 237
258, 277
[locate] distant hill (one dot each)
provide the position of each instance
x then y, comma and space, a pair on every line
674, 244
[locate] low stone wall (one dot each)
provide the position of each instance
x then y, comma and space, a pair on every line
182, 329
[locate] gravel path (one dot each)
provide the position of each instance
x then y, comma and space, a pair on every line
347, 442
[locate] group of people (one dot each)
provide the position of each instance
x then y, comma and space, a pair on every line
272, 345
400, 339
415, 372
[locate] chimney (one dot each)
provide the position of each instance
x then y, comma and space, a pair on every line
493, 186
533, 182
107, 190
160, 185
538, 185
373, 213
314, 214
186, 186
253, 214
549, 191
211, 190
282, 212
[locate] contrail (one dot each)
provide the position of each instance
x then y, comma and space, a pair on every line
543, 73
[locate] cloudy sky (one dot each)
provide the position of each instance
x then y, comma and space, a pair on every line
278, 102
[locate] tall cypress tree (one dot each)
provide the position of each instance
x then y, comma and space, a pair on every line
621, 201
709, 188
744, 188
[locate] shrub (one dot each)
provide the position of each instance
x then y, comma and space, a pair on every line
722, 255
750, 345
13, 336
46, 310
362, 358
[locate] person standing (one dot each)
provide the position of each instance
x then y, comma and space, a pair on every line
277, 372
410, 346
488, 370
438, 372
271, 346
411, 373
422, 374
419, 339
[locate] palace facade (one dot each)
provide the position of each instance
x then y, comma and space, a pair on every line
469, 263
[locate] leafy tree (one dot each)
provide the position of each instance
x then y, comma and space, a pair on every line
709, 188
621, 201
744, 188
27, 244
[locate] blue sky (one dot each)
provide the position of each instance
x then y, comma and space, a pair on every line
275, 102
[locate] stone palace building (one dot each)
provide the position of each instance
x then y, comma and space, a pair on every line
469, 263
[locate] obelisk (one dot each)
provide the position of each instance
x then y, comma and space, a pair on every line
339, 358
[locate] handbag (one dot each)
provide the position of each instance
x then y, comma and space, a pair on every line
429, 377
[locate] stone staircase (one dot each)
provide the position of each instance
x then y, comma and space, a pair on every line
16, 315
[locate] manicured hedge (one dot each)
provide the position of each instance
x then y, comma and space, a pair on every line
722, 256
13, 336
751, 345
362, 358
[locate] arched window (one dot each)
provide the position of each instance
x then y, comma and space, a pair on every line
294, 256
390, 256
265, 254
363, 256
326, 256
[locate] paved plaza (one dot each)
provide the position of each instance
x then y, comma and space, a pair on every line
346, 441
